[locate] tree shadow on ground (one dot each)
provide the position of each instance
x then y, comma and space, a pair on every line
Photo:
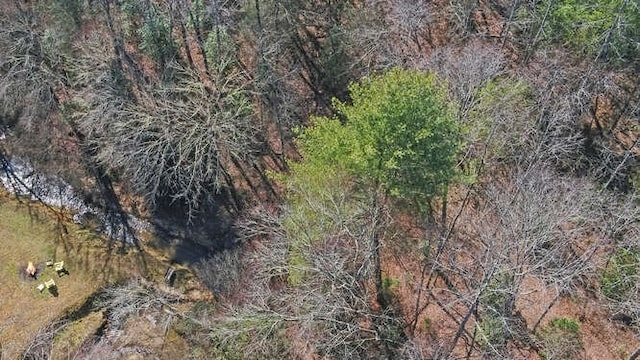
193, 239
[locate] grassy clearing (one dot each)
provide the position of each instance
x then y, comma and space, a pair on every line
29, 233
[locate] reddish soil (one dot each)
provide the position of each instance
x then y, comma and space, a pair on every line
440, 311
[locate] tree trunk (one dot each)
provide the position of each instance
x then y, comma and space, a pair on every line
376, 209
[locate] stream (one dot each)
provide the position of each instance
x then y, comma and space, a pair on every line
19, 178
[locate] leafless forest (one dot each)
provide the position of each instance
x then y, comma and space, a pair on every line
199, 116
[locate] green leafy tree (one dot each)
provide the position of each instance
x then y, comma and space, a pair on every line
397, 137
603, 28
399, 132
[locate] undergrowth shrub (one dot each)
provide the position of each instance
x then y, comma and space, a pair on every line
621, 275
561, 339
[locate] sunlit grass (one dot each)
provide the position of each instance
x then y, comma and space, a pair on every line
30, 233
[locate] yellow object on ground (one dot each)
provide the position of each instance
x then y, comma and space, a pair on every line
59, 268
50, 284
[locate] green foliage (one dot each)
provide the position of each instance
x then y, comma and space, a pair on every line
492, 332
494, 97
187, 326
399, 132
496, 304
235, 337
131, 8
335, 62
249, 338
152, 28
72, 9
498, 298
220, 49
568, 326
497, 119
319, 203
426, 325
324, 143
389, 285
586, 25
56, 49
198, 15
561, 339
59, 31
155, 38
621, 276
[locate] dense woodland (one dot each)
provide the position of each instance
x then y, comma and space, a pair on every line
361, 179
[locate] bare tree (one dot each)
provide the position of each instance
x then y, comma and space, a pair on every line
39, 348
528, 227
619, 281
413, 21
133, 298
313, 275
177, 141
27, 64
221, 271
466, 70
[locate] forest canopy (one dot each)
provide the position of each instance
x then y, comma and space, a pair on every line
605, 29
398, 131
291, 155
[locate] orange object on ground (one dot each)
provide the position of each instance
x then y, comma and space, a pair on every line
31, 269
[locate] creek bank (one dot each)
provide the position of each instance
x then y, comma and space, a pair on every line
191, 240
19, 178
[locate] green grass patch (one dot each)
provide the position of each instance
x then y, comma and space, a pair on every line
74, 335
30, 233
